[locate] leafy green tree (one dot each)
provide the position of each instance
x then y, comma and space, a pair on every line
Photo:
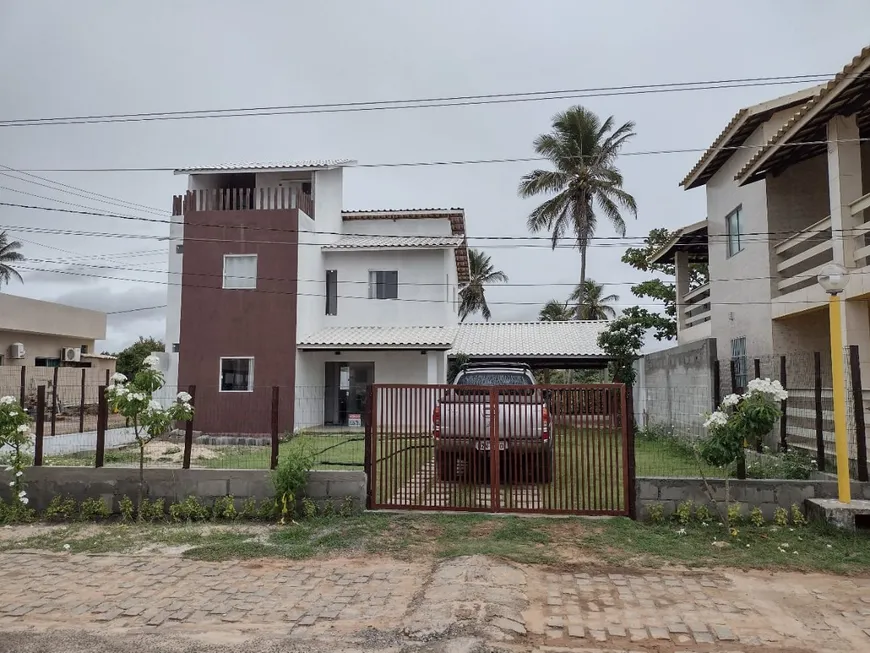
591, 303
583, 151
664, 326
556, 311
130, 359
473, 295
623, 340
8, 255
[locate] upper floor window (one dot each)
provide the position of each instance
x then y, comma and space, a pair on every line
738, 355
240, 271
383, 284
734, 226
332, 292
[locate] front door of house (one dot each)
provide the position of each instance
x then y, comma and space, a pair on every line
360, 376
345, 392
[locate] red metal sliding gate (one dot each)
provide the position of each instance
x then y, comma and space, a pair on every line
534, 449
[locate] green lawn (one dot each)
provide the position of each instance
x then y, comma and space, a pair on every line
562, 541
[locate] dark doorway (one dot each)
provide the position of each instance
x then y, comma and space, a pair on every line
345, 392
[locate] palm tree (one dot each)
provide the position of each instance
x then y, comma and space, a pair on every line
9, 255
589, 303
583, 152
473, 298
556, 311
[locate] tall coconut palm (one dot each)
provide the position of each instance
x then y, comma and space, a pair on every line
590, 303
583, 151
556, 311
472, 296
8, 255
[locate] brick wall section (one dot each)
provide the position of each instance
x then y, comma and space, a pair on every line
112, 483
767, 494
676, 387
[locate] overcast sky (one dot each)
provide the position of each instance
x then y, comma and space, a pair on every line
99, 57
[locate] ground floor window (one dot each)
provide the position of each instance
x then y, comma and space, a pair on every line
237, 374
42, 361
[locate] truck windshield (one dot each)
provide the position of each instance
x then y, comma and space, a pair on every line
493, 378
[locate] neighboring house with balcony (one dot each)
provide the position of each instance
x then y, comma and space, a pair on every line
281, 287
787, 185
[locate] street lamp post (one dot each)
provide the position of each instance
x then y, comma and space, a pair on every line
834, 278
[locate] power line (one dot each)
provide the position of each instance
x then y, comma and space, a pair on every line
465, 162
365, 282
136, 310
609, 241
401, 299
420, 103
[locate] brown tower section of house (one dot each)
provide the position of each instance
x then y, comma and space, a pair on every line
238, 323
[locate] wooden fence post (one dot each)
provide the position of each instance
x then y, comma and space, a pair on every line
188, 431
759, 446
820, 437
783, 407
858, 403
82, 403
40, 426
54, 399
741, 459
23, 397
717, 384
628, 433
102, 422
273, 463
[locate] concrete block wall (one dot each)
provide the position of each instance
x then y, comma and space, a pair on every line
675, 387
112, 483
767, 494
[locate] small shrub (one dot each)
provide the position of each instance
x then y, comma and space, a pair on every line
16, 513
127, 508
328, 508
703, 514
348, 507
191, 509
224, 508
93, 509
172, 450
291, 476
684, 512
152, 511
780, 517
735, 514
267, 510
756, 518
656, 512
797, 517
61, 508
309, 508
249, 509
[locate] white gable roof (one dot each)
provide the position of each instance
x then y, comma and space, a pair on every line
575, 338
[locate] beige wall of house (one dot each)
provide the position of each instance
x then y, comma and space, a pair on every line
36, 316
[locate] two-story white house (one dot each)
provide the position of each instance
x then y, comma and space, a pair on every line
273, 287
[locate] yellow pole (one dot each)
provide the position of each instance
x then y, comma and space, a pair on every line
839, 383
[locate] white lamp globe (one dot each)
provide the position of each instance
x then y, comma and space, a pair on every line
834, 278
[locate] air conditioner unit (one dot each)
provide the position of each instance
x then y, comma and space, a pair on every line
16, 350
70, 354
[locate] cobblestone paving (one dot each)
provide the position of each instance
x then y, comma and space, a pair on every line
128, 591
526, 608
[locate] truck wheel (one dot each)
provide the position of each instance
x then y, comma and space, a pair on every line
546, 469
445, 466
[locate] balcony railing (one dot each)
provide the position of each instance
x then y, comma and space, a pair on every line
858, 208
242, 199
695, 306
800, 257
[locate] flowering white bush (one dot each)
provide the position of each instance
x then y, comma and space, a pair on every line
135, 401
740, 418
15, 434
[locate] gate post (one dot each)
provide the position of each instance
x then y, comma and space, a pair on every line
494, 467
367, 447
628, 451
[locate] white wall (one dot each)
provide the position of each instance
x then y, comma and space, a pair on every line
173, 300
422, 301
739, 305
411, 227
405, 367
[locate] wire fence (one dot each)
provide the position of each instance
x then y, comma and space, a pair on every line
672, 407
